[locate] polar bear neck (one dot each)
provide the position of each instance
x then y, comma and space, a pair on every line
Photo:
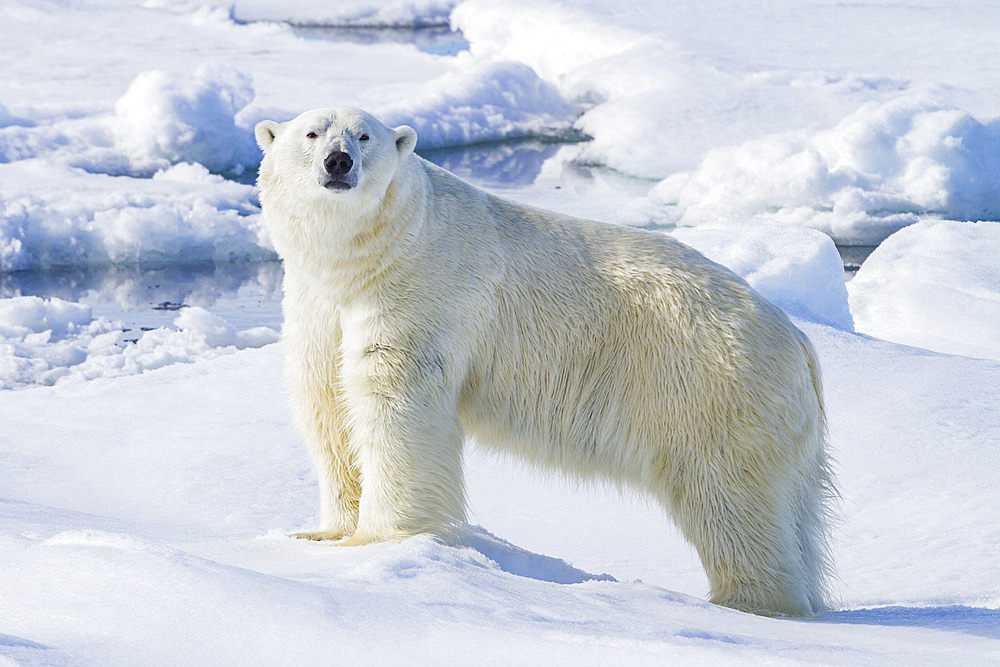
352, 248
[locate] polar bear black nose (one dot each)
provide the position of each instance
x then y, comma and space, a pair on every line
338, 163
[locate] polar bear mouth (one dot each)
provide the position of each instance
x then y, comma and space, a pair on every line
337, 183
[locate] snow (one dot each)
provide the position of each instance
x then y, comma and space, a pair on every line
880, 169
479, 102
163, 119
44, 341
181, 214
150, 473
815, 117
934, 285
799, 270
159, 532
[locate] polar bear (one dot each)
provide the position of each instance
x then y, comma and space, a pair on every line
420, 310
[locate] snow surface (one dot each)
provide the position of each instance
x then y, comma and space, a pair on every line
797, 269
43, 341
158, 532
145, 502
934, 285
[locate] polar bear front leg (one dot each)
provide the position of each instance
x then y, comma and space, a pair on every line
408, 442
336, 471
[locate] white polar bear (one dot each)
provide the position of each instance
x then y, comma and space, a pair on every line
420, 309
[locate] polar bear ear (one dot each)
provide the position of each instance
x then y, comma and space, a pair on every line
265, 132
406, 140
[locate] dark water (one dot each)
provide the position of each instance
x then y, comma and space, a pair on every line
853, 257
437, 39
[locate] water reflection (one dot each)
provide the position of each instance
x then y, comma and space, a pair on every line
440, 40
496, 165
246, 295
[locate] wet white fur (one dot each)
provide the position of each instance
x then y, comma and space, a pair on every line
420, 310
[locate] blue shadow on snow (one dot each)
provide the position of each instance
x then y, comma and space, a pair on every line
956, 618
520, 562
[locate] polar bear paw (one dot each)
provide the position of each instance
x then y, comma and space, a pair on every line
321, 535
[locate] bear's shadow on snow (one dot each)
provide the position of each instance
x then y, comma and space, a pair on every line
20, 650
977, 621
520, 562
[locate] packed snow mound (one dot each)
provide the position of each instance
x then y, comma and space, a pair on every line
934, 285
557, 41
165, 118
182, 214
799, 270
22, 316
594, 67
880, 169
478, 102
45, 341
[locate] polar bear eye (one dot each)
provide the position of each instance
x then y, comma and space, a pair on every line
363, 137
311, 135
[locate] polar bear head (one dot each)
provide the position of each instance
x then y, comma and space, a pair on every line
333, 154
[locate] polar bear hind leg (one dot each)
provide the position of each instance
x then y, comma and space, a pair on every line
756, 511
760, 551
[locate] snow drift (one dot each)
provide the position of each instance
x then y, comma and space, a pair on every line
934, 285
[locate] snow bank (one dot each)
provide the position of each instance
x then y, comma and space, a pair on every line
798, 270
588, 64
145, 520
934, 285
478, 102
44, 341
183, 214
880, 169
165, 118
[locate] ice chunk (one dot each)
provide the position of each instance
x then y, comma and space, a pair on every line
798, 269
935, 285
880, 169
43, 341
165, 118
482, 102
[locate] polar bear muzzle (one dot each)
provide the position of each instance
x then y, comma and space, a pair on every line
338, 172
